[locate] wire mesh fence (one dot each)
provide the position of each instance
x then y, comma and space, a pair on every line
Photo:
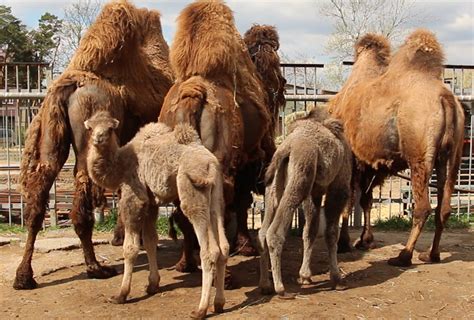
23, 87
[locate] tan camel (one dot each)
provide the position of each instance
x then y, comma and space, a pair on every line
371, 58
219, 92
121, 65
313, 161
407, 118
156, 167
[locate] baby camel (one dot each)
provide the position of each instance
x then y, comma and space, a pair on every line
154, 168
314, 160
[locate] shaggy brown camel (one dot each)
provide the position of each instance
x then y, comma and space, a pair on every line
372, 56
313, 161
407, 118
156, 167
122, 66
220, 93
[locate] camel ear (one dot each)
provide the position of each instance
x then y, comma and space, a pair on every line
87, 125
115, 123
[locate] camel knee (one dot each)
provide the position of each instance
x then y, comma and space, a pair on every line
275, 242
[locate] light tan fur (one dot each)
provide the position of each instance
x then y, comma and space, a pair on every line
313, 161
156, 167
407, 118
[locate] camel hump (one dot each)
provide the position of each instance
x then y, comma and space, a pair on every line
113, 28
206, 41
373, 41
424, 51
185, 133
259, 35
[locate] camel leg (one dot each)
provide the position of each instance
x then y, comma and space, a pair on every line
83, 220
133, 210
36, 191
150, 241
310, 232
420, 174
445, 186
217, 214
209, 254
38, 194
265, 284
344, 242
366, 240
187, 262
335, 203
243, 243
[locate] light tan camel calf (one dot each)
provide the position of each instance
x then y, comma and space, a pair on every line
314, 160
154, 168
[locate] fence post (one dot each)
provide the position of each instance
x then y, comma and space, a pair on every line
53, 216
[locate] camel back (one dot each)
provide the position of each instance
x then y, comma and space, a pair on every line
420, 52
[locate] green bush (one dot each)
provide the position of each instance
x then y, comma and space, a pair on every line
14, 228
401, 223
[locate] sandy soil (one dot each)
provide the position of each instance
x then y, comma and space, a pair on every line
376, 290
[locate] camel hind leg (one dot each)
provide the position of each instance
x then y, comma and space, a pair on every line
312, 209
150, 241
420, 173
336, 201
446, 172
37, 185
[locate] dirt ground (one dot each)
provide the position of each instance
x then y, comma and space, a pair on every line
376, 290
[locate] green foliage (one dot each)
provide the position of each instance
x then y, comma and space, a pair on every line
109, 222
399, 223
5, 228
14, 38
45, 39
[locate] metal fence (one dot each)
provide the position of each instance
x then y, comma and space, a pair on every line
23, 87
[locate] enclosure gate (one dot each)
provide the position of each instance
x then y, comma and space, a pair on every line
24, 87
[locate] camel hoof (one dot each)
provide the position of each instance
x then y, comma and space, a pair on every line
399, 262
100, 272
286, 296
117, 299
152, 289
365, 245
198, 314
218, 307
339, 285
267, 290
24, 282
186, 267
305, 280
117, 241
344, 247
428, 257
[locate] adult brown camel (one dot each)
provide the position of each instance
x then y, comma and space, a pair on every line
121, 66
371, 58
407, 118
220, 93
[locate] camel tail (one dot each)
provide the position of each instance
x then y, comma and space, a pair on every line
454, 123
335, 126
201, 179
51, 124
279, 158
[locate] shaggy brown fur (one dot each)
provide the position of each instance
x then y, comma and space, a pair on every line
372, 56
314, 160
156, 167
121, 65
407, 118
218, 92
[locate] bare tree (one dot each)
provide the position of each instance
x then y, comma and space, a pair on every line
354, 18
77, 18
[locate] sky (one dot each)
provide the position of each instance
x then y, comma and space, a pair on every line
303, 31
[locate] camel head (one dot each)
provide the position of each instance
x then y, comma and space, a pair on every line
101, 127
